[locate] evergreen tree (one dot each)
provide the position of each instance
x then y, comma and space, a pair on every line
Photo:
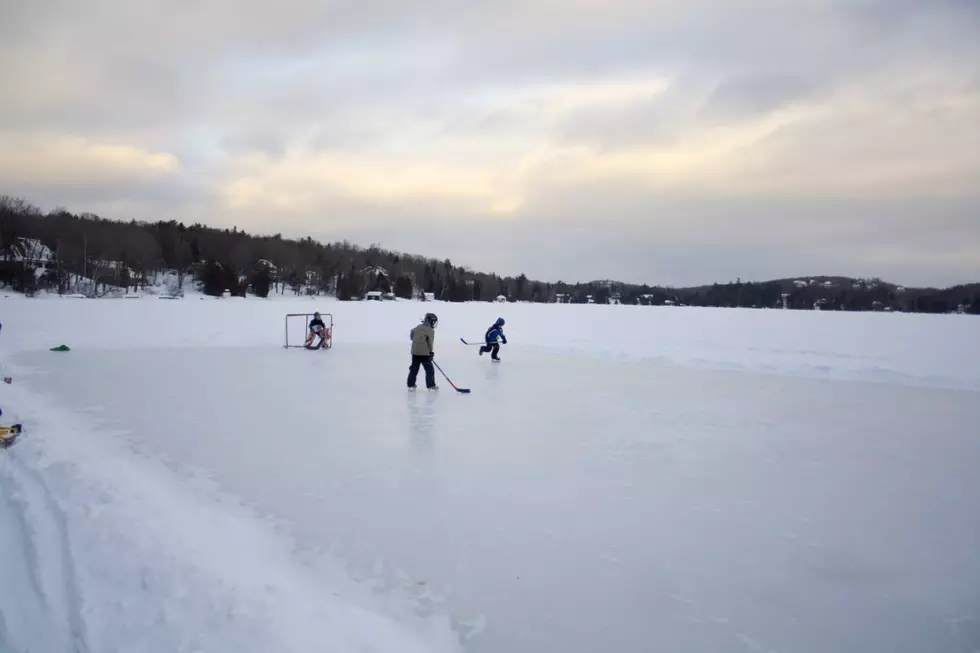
403, 287
261, 281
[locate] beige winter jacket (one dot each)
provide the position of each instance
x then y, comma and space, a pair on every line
423, 340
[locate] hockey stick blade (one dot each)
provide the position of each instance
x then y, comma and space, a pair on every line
464, 391
471, 344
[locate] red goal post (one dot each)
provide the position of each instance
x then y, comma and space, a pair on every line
298, 341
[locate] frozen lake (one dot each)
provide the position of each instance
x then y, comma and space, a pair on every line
582, 502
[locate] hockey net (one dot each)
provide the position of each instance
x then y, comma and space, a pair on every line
298, 331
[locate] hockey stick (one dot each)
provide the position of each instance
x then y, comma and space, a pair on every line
471, 344
460, 390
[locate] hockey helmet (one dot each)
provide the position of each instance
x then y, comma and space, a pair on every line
500, 321
431, 319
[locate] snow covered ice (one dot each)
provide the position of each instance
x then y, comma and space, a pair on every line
628, 479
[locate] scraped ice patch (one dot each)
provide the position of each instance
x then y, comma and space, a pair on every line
102, 550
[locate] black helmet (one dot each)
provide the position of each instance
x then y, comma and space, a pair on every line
500, 321
431, 319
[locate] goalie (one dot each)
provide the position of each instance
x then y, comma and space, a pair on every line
317, 329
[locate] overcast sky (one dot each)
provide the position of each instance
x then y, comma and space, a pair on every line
660, 141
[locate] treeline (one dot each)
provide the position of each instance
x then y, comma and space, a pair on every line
835, 293
84, 253
93, 256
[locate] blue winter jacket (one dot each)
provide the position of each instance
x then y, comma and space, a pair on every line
495, 332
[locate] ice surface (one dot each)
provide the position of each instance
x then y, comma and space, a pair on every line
629, 479
910, 349
111, 551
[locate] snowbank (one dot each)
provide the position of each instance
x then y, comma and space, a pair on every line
103, 550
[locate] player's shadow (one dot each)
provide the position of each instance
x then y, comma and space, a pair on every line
422, 419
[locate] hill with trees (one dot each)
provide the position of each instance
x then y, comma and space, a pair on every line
67, 253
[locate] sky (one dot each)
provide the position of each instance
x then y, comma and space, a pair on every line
673, 142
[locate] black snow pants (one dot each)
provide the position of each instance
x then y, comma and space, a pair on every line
430, 371
491, 347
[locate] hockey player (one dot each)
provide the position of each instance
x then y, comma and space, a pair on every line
493, 333
423, 339
317, 328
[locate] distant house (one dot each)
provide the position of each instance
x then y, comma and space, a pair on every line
615, 298
589, 299
36, 254
800, 283
373, 295
501, 298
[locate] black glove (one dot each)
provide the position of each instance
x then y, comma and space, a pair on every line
432, 356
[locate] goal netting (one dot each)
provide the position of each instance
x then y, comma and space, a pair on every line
298, 331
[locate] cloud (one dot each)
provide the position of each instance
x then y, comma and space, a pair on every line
740, 98
304, 181
609, 130
75, 160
